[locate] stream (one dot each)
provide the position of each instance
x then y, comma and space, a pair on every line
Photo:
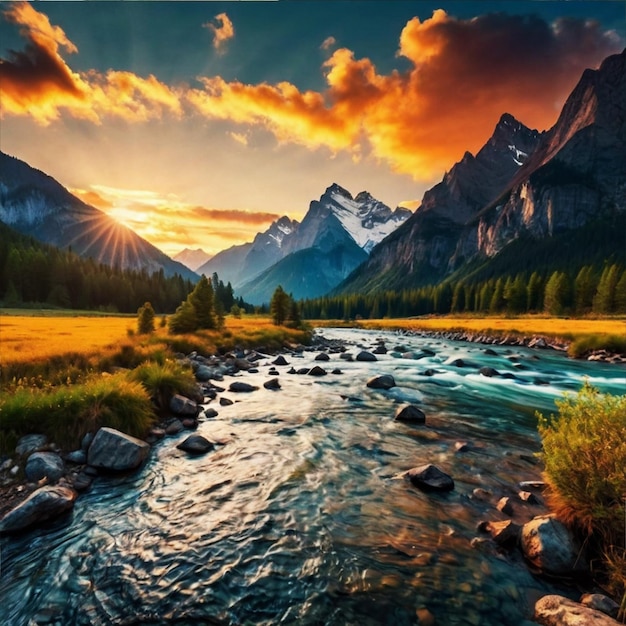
301, 514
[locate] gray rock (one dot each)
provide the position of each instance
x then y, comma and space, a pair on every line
304, 370
179, 405
86, 441
346, 356
30, 443
317, 371
196, 444
551, 547
556, 610
430, 478
82, 482
322, 356
386, 381
600, 602
210, 412
225, 401
280, 360
379, 350
241, 387
489, 372
366, 356
117, 451
174, 427
273, 383
204, 373
410, 413
78, 457
42, 505
44, 465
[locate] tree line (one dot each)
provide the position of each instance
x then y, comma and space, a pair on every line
592, 289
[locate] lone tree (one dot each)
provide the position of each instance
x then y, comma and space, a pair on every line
280, 306
197, 311
145, 319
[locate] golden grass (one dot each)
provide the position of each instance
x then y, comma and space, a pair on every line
526, 325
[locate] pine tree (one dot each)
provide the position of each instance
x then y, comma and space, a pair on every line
145, 319
556, 294
202, 300
584, 289
620, 294
534, 301
184, 319
604, 300
279, 306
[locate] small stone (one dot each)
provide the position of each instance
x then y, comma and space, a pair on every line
528, 497
489, 372
174, 427
461, 446
346, 356
82, 482
481, 494
272, 384
317, 371
366, 356
210, 412
78, 457
280, 360
504, 533
225, 401
322, 356
504, 506
410, 413
337, 371
241, 387
303, 371
190, 424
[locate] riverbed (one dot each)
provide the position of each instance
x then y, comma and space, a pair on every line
301, 514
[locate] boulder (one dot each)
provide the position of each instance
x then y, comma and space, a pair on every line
44, 465
179, 405
42, 505
430, 478
410, 413
322, 356
551, 547
273, 384
556, 610
241, 387
116, 451
386, 381
280, 360
317, 371
30, 443
174, 427
195, 444
366, 356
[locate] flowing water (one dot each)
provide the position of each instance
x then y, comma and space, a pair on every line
301, 514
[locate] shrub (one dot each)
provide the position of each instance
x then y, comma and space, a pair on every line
145, 319
66, 413
584, 451
588, 343
163, 380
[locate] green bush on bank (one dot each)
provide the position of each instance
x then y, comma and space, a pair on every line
588, 343
163, 380
584, 451
65, 413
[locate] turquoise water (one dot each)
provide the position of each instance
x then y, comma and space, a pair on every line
301, 514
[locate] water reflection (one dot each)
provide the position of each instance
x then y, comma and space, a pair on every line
300, 515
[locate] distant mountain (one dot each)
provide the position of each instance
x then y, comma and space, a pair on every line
521, 185
239, 264
35, 204
192, 259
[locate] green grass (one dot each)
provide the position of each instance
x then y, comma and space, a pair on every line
65, 413
582, 346
163, 380
584, 452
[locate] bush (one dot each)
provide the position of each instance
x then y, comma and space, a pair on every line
66, 413
588, 343
584, 451
163, 380
145, 319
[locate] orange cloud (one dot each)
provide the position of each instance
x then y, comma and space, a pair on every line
222, 29
463, 75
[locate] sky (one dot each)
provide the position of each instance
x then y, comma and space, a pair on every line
199, 123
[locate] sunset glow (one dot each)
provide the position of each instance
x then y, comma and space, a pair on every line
220, 157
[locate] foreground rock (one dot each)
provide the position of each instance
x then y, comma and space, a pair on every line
551, 547
116, 451
386, 381
47, 465
183, 406
195, 444
30, 443
410, 413
559, 611
430, 478
42, 505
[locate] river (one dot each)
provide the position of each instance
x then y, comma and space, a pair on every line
301, 514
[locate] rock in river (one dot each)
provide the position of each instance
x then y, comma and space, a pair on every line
430, 478
241, 387
114, 450
556, 610
386, 381
43, 504
195, 444
410, 413
366, 356
183, 406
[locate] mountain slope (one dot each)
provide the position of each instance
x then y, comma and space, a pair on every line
35, 204
572, 174
192, 259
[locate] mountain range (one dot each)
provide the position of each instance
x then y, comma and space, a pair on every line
192, 259
35, 204
310, 258
522, 187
